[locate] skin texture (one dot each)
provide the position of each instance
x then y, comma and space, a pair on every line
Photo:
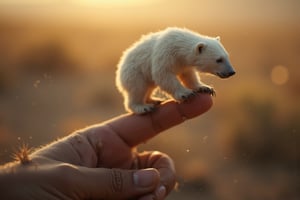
101, 161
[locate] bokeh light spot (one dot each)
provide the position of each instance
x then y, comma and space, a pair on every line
279, 75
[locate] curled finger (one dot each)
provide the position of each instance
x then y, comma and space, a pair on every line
165, 166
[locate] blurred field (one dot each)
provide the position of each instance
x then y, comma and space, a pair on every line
57, 63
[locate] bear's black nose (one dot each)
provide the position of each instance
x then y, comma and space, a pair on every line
231, 73
225, 74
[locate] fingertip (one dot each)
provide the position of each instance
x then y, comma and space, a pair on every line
172, 113
197, 105
134, 129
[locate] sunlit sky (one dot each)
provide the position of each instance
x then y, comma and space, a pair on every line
113, 2
275, 11
79, 2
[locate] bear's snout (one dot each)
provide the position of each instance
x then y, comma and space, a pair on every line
226, 74
231, 73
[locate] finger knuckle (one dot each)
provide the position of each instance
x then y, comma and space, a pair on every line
116, 181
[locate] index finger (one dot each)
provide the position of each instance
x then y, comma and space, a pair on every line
135, 129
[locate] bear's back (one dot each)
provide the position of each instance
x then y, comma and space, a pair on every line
180, 36
141, 50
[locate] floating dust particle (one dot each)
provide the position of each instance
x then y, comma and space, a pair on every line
36, 83
279, 75
187, 150
204, 139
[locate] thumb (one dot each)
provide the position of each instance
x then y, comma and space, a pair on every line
117, 184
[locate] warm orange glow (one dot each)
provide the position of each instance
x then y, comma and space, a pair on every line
87, 3
111, 2
57, 75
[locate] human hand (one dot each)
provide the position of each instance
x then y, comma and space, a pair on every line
100, 162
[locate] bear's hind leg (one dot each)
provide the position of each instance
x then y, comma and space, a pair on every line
138, 99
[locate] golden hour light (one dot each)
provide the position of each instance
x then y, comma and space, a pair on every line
279, 75
62, 104
78, 2
111, 2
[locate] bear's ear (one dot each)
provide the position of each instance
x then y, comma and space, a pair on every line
200, 46
218, 38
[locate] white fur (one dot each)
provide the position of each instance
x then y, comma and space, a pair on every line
168, 59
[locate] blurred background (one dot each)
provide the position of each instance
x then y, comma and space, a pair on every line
57, 70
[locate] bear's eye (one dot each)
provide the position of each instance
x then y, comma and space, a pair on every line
219, 60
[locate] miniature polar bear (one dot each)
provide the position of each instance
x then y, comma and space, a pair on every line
169, 59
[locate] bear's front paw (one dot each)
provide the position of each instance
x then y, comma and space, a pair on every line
142, 108
184, 95
206, 90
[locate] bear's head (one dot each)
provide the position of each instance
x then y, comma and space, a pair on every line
211, 57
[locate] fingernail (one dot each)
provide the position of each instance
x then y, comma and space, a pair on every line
145, 178
161, 192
